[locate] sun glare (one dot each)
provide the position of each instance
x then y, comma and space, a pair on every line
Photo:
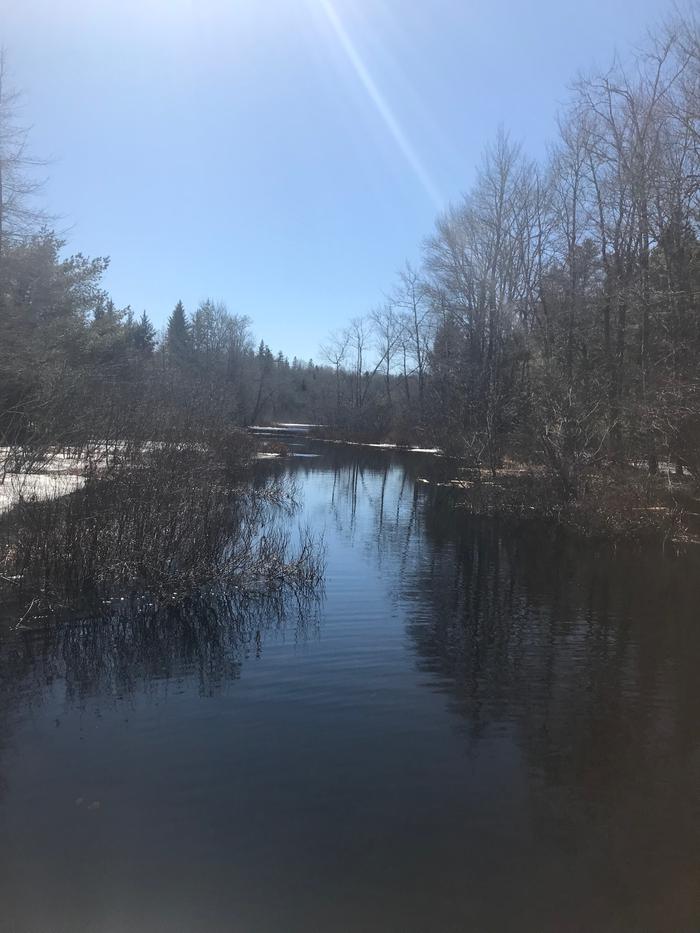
380, 102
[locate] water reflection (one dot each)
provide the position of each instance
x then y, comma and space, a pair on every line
144, 646
585, 654
483, 726
500, 612
140, 641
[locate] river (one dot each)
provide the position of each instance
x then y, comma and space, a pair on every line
476, 726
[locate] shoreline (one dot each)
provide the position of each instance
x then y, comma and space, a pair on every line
617, 503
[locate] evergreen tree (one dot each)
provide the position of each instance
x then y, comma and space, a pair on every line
143, 334
178, 337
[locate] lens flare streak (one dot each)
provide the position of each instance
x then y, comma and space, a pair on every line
380, 103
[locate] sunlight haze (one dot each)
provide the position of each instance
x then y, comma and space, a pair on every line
285, 157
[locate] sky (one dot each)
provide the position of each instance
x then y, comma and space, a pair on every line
285, 156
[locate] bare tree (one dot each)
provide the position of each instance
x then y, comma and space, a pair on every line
411, 297
388, 332
335, 350
19, 213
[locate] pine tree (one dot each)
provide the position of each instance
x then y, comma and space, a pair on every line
144, 335
178, 337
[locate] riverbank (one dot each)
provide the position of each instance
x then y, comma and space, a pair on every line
615, 503
166, 520
55, 474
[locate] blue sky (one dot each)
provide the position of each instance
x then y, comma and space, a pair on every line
285, 156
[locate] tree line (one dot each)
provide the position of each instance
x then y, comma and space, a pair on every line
554, 315
76, 370
552, 319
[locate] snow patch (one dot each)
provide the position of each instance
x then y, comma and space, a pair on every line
36, 487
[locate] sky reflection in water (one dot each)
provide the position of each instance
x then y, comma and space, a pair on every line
479, 728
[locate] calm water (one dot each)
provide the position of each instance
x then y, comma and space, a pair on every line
477, 729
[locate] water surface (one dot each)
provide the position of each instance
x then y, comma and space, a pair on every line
479, 728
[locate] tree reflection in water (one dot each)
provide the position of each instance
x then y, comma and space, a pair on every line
575, 661
142, 646
585, 653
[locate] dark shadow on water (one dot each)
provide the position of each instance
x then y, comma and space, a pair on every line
585, 654
571, 665
138, 640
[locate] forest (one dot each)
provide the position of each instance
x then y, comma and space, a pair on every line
552, 320
398, 634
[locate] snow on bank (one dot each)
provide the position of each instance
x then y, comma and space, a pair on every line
298, 427
283, 428
36, 487
436, 451
298, 424
58, 474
